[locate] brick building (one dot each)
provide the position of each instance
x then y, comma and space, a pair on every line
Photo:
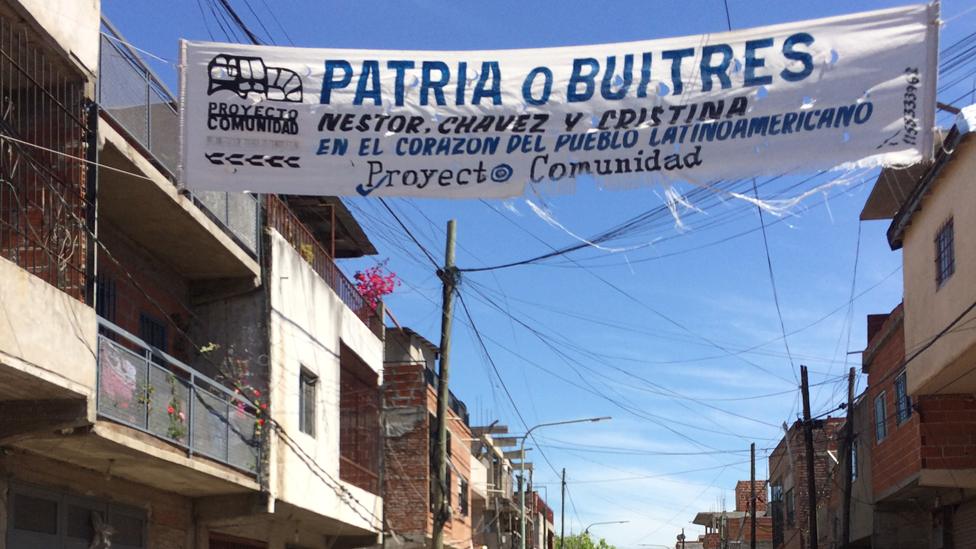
726, 529
788, 500
921, 382
409, 424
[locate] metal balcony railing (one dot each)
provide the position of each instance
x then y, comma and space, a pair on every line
146, 389
137, 102
45, 206
283, 219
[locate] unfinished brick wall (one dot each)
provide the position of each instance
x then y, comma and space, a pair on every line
897, 457
410, 408
743, 493
406, 466
789, 460
947, 428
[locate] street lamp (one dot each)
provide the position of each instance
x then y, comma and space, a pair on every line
587, 529
522, 455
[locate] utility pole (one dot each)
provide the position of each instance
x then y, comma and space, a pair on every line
449, 276
752, 496
562, 513
811, 469
849, 461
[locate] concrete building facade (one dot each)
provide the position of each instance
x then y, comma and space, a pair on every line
176, 370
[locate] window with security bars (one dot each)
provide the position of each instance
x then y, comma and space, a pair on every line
776, 511
153, 331
880, 416
106, 297
945, 254
463, 497
903, 402
307, 384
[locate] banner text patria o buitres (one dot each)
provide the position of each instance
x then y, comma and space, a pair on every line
850, 90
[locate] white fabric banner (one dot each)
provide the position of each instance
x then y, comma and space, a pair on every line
850, 90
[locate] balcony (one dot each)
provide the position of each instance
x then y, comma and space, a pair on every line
283, 219
146, 389
136, 104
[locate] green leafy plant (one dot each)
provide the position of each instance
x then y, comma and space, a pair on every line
583, 541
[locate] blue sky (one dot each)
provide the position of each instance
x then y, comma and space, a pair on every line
631, 330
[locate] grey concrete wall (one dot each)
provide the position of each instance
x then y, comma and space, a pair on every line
907, 527
238, 327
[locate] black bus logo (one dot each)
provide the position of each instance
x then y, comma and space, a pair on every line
243, 75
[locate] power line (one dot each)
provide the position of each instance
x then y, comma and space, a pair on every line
769, 267
229, 10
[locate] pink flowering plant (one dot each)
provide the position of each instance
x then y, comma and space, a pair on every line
375, 282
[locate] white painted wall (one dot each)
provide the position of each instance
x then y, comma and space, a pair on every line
308, 321
74, 24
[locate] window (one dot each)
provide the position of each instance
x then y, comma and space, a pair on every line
307, 383
106, 297
790, 505
463, 498
945, 254
880, 426
46, 518
152, 331
903, 402
776, 510
853, 460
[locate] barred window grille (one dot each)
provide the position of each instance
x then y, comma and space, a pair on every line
463, 497
903, 402
880, 413
945, 254
306, 402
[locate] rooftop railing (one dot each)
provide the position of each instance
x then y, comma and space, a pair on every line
139, 103
283, 219
144, 388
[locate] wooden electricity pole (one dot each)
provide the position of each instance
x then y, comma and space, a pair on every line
849, 461
811, 468
752, 496
562, 513
449, 277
